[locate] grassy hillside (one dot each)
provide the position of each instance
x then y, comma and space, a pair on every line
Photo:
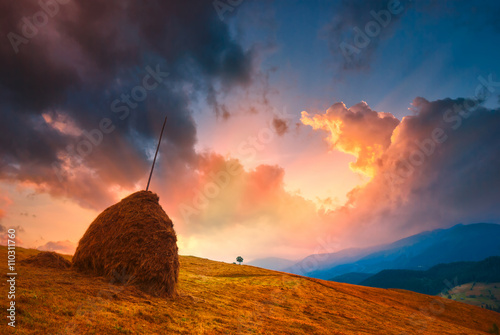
220, 298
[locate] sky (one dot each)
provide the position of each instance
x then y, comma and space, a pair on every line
294, 127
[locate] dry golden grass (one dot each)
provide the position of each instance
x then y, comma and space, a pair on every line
48, 259
220, 298
136, 237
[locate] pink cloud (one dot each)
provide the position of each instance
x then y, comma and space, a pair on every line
438, 167
63, 247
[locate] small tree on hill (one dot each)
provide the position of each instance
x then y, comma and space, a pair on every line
239, 259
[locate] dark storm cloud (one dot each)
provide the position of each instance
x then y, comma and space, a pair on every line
280, 126
87, 56
460, 176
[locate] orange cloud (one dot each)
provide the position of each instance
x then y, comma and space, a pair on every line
359, 131
238, 209
5, 202
62, 122
435, 168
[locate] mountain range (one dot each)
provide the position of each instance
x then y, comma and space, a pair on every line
460, 243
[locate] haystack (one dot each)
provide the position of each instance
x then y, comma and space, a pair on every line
133, 240
48, 259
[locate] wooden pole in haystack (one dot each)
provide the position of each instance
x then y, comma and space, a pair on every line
157, 148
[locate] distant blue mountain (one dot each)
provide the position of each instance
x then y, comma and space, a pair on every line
473, 242
272, 263
320, 262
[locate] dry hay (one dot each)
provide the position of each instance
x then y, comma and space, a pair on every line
132, 242
48, 259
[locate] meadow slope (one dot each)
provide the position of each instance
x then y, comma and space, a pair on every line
220, 298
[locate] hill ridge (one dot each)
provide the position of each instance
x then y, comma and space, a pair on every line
472, 242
